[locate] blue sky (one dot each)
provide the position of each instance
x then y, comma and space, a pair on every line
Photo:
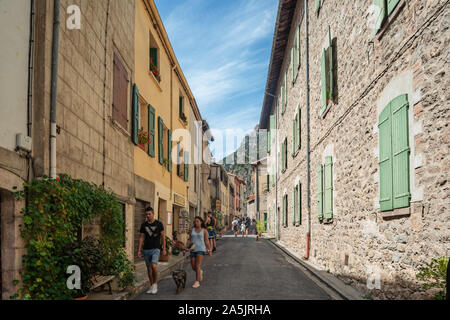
223, 47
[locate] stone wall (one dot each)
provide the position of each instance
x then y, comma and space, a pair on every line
361, 245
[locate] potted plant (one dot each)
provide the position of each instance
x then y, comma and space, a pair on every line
154, 70
143, 138
259, 229
169, 244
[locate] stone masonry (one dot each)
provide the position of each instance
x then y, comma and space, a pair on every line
361, 244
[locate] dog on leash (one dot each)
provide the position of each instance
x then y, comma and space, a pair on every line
179, 276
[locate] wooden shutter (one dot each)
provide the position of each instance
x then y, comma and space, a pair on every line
380, 14
293, 64
135, 128
330, 93
169, 150
299, 203
391, 4
120, 93
328, 187
299, 128
151, 130
186, 166
298, 48
285, 90
324, 80
294, 130
400, 152
318, 4
320, 191
160, 141
154, 56
385, 159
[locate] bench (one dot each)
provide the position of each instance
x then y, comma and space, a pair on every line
100, 281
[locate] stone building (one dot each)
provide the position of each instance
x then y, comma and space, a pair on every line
90, 143
357, 109
260, 179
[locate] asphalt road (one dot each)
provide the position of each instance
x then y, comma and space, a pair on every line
242, 269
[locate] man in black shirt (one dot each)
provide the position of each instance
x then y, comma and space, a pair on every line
150, 241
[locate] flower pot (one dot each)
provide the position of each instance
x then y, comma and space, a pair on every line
164, 258
141, 146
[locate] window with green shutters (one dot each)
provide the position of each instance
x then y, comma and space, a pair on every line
160, 141
154, 56
285, 91
328, 188
325, 189
135, 109
180, 107
294, 69
296, 133
151, 131
178, 159
327, 76
383, 9
284, 155
394, 155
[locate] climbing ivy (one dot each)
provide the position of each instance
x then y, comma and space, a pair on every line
53, 217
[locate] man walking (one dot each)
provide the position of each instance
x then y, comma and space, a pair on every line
211, 227
150, 240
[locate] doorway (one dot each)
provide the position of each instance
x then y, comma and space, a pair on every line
139, 219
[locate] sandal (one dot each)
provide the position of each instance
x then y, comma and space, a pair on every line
196, 284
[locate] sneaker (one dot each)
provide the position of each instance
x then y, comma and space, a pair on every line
214, 249
150, 290
154, 288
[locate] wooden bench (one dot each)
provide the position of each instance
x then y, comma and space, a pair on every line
100, 281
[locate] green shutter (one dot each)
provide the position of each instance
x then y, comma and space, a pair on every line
318, 4
284, 211
299, 204
320, 191
328, 187
154, 56
282, 98
391, 4
186, 166
135, 124
285, 90
330, 67
160, 141
380, 14
294, 127
299, 129
385, 159
293, 63
169, 144
294, 205
324, 79
400, 152
178, 160
151, 130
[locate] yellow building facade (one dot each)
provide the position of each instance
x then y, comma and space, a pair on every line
161, 102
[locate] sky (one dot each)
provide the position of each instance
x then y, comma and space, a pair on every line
223, 47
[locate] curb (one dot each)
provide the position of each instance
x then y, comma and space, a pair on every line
349, 293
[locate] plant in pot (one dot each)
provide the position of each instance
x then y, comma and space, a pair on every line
143, 138
87, 255
169, 244
178, 246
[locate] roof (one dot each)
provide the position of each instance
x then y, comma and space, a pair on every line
286, 9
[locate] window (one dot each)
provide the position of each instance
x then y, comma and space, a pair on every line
383, 9
394, 155
285, 210
180, 166
327, 76
146, 127
154, 61
181, 110
296, 204
120, 93
325, 189
269, 132
296, 131
164, 143
186, 166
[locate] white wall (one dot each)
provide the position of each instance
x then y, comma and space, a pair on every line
14, 45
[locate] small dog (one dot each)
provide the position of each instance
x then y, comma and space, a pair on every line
179, 276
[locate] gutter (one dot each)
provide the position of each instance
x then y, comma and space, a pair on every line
30, 71
308, 158
54, 87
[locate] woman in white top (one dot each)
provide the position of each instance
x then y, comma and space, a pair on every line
200, 247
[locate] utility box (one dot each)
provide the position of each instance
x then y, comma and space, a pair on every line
23, 142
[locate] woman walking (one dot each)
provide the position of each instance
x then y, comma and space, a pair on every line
198, 239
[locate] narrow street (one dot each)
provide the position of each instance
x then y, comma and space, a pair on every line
244, 269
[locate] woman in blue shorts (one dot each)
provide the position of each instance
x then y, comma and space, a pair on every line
199, 246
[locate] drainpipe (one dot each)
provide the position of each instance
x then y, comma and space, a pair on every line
54, 88
308, 160
30, 70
